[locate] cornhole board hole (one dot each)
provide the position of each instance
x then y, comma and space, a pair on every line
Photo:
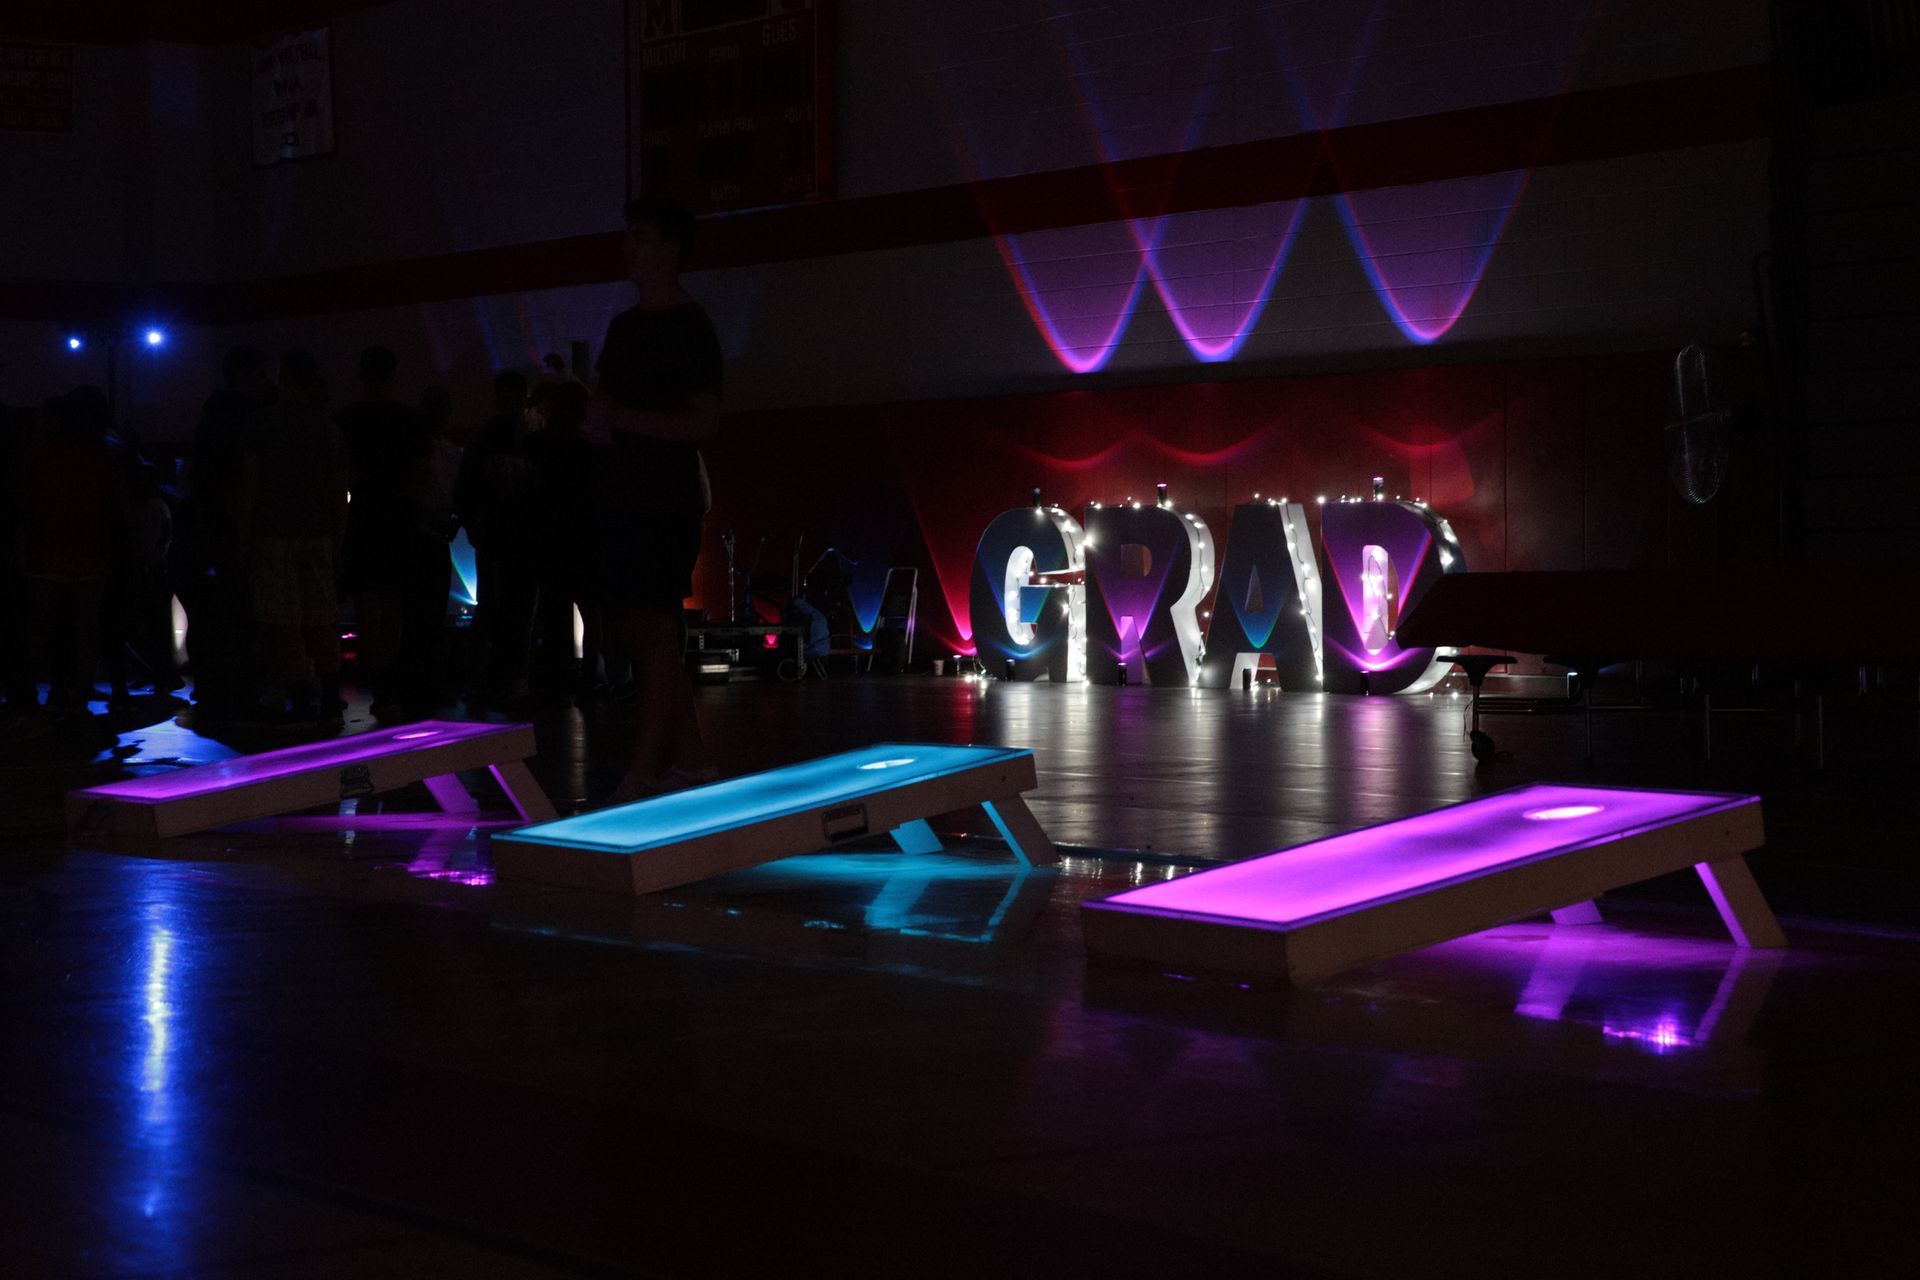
684, 836
315, 773
1314, 910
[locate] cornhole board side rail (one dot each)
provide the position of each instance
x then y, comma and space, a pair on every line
93, 814
518, 856
1422, 917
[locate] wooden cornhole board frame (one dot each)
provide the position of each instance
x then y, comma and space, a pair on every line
684, 836
1340, 924
290, 779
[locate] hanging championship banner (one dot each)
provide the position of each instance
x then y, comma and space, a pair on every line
36, 87
292, 97
729, 101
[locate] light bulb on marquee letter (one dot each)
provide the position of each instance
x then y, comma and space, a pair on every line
1382, 557
1026, 601
1269, 600
1148, 568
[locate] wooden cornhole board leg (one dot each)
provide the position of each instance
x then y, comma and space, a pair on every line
524, 790
450, 795
1011, 818
917, 836
1740, 903
1587, 912
1021, 830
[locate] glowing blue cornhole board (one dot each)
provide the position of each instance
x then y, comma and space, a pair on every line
314, 773
1314, 910
685, 836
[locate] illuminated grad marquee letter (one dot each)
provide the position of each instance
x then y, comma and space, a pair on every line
1026, 600
1269, 600
1148, 568
1382, 557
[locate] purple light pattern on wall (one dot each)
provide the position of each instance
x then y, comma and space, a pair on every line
1080, 319
1361, 868
1216, 327
1423, 265
1213, 316
1425, 290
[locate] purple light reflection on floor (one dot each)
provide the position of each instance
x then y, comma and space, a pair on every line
1656, 993
333, 752
452, 856
1662, 1037
1360, 868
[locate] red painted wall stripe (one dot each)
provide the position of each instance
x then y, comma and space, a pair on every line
1596, 124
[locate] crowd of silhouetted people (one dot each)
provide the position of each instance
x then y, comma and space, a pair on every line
291, 504
303, 508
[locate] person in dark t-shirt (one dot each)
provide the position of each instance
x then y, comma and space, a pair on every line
212, 574
566, 536
494, 496
291, 516
657, 401
390, 451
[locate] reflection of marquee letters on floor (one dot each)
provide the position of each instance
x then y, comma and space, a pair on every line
683, 836
1314, 910
316, 773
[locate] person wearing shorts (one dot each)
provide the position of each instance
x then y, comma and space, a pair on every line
657, 401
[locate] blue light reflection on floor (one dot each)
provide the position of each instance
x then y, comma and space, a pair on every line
934, 895
757, 797
168, 742
160, 1116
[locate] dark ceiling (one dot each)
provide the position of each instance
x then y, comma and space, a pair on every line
188, 21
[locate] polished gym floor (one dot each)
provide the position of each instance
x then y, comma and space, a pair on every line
331, 1046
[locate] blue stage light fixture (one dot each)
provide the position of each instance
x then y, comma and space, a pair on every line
75, 342
155, 337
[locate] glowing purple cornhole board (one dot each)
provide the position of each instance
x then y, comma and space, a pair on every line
315, 773
684, 836
1314, 910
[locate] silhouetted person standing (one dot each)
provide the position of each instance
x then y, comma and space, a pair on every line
75, 515
291, 520
495, 499
391, 455
565, 463
424, 627
211, 573
658, 399
16, 662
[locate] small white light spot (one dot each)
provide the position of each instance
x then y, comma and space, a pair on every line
1561, 813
